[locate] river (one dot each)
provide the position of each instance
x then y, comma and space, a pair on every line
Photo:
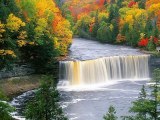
99, 75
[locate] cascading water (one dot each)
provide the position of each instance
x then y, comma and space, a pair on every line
105, 69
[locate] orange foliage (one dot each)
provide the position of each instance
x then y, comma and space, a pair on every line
56, 20
150, 2
78, 6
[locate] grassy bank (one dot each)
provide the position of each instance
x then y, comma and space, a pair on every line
14, 86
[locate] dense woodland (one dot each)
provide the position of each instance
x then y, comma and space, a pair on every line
33, 31
40, 31
131, 22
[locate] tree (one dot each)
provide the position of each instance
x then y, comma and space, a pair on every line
155, 94
142, 106
96, 25
5, 108
111, 114
142, 4
7, 7
44, 106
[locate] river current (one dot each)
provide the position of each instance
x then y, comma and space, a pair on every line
90, 100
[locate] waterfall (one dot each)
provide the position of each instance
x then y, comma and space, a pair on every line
104, 69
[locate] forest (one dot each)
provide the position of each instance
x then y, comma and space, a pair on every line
40, 32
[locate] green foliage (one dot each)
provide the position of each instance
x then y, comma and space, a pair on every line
141, 4
96, 25
132, 37
29, 7
9, 26
42, 55
125, 29
5, 110
7, 7
119, 3
82, 26
66, 13
111, 114
151, 46
104, 33
113, 13
44, 106
2, 96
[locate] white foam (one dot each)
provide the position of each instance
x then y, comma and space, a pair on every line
64, 85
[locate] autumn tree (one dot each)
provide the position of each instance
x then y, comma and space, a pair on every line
48, 34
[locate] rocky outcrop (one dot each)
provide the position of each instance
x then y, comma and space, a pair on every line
155, 62
17, 70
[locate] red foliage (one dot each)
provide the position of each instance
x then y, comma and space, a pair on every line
101, 2
131, 4
155, 40
143, 42
91, 27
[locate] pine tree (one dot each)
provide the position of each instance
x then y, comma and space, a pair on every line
111, 114
96, 25
5, 108
155, 93
44, 105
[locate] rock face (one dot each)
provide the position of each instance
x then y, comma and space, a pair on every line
17, 70
155, 62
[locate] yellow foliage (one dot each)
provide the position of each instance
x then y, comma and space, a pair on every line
41, 27
64, 35
134, 15
2, 30
129, 19
22, 35
7, 52
45, 5
21, 43
14, 23
56, 43
102, 15
154, 9
31, 43
111, 27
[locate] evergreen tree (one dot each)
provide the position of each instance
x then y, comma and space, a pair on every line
5, 108
115, 30
111, 13
142, 4
119, 3
142, 105
44, 105
155, 94
111, 114
96, 25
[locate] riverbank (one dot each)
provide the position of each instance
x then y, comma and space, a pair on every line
14, 86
